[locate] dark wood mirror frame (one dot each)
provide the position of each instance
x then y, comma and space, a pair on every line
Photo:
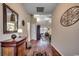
5, 20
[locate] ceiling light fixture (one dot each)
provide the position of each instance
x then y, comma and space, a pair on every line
38, 19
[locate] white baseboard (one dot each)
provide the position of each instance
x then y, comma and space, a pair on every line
57, 49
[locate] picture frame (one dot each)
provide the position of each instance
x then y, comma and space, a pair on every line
23, 23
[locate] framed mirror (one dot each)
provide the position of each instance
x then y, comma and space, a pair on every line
10, 19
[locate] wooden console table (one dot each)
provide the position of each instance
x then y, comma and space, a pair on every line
14, 48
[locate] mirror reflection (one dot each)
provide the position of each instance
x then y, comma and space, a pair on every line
11, 19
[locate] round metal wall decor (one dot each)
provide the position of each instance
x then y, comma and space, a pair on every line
70, 17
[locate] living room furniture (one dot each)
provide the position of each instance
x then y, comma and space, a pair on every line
15, 47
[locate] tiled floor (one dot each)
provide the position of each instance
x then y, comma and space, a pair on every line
41, 46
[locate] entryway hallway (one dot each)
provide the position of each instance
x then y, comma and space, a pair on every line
39, 29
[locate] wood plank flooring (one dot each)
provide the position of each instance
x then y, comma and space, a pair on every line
41, 48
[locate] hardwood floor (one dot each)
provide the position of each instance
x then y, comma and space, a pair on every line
41, 48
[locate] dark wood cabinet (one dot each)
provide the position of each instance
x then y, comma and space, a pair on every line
14, 47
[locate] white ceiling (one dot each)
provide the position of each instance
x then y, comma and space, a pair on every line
48, 10
31, 7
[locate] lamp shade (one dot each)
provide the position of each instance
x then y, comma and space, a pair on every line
20, 31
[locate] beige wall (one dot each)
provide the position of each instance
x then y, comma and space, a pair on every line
33, 28
65, 39
23, 15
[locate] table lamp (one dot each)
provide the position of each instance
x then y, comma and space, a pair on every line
20, 32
